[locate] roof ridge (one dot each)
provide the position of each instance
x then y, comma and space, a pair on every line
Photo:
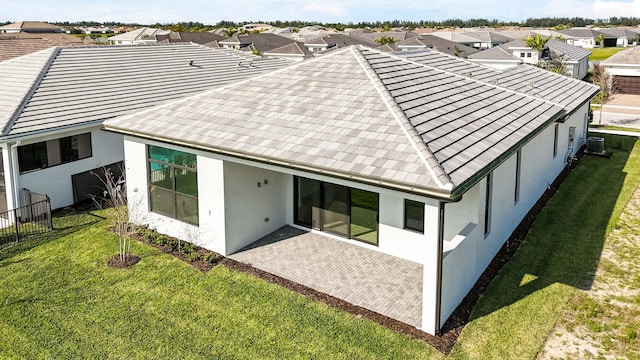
425, 154
34, 86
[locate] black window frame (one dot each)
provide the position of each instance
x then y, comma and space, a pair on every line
172, 168
43, 144
30, 151
405, 222
487, 204
516, 194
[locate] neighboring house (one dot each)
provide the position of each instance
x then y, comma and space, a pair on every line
624, 37
525, 33
53, 103
337, 41
30, 27
396, 35
201, 38
624, 69
480, 40
433, 42
17, 44
575, 60
143, 35
420, 155
587, 38
257, 43
293, 52
256, 27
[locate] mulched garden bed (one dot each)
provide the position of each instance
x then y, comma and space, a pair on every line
452, 328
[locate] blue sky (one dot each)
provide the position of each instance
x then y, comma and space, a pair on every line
212, 11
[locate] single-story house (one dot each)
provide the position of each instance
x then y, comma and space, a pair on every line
143, 35
480, 40
624, 69
574, 59
624, 37
587, 38
53, 103
427, 41
421, 156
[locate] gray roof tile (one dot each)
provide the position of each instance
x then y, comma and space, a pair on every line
83, 84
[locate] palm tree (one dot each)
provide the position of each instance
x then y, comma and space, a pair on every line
536, 42
228, 32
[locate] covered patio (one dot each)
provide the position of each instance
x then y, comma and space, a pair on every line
373, 280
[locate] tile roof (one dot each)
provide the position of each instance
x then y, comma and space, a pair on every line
379, 118
557, 47
445, 46
495, 53
293, 48
84, 84
194, 37
139, 34
630, 56
621, 33
31, 26
531, 80
17, 44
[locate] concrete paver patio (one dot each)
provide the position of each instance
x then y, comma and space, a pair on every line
379, 282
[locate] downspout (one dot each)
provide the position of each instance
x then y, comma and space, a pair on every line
13, 157
439, 265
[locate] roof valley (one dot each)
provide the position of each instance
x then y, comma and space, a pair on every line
426, 155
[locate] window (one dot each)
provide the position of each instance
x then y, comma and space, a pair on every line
521, 54
32, 156
173, 184
414, 215
555, 140
528, 55
49, 153
516, 194
487, 205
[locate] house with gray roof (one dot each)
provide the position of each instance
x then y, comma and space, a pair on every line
427, 41
587, 38
624, 69
574, 60
143, 35
36, 27
421, 160
53, 103
480, 40
624, 37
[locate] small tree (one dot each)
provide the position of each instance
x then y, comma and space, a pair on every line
602, 79
114, 197
384, 39
600, 40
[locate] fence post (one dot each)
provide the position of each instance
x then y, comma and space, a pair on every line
49, 217
16, 221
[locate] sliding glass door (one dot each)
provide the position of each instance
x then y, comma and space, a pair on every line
336, 209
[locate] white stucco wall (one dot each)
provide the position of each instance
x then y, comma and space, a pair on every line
539, 168
55, 181
251, 211
497, 64
622, 69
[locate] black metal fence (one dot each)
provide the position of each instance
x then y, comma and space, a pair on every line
29, 220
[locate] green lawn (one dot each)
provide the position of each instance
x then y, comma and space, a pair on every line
58, 299
599, 54
520, 307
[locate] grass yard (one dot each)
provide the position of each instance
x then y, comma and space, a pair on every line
521, 306
58, 299
599, 54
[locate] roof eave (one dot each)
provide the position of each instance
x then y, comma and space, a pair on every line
439, 194
459, 190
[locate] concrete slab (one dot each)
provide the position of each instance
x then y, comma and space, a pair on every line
379, 282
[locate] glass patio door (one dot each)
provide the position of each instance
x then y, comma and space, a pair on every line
336, 211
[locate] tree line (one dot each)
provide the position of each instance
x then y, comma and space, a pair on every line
546, 22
